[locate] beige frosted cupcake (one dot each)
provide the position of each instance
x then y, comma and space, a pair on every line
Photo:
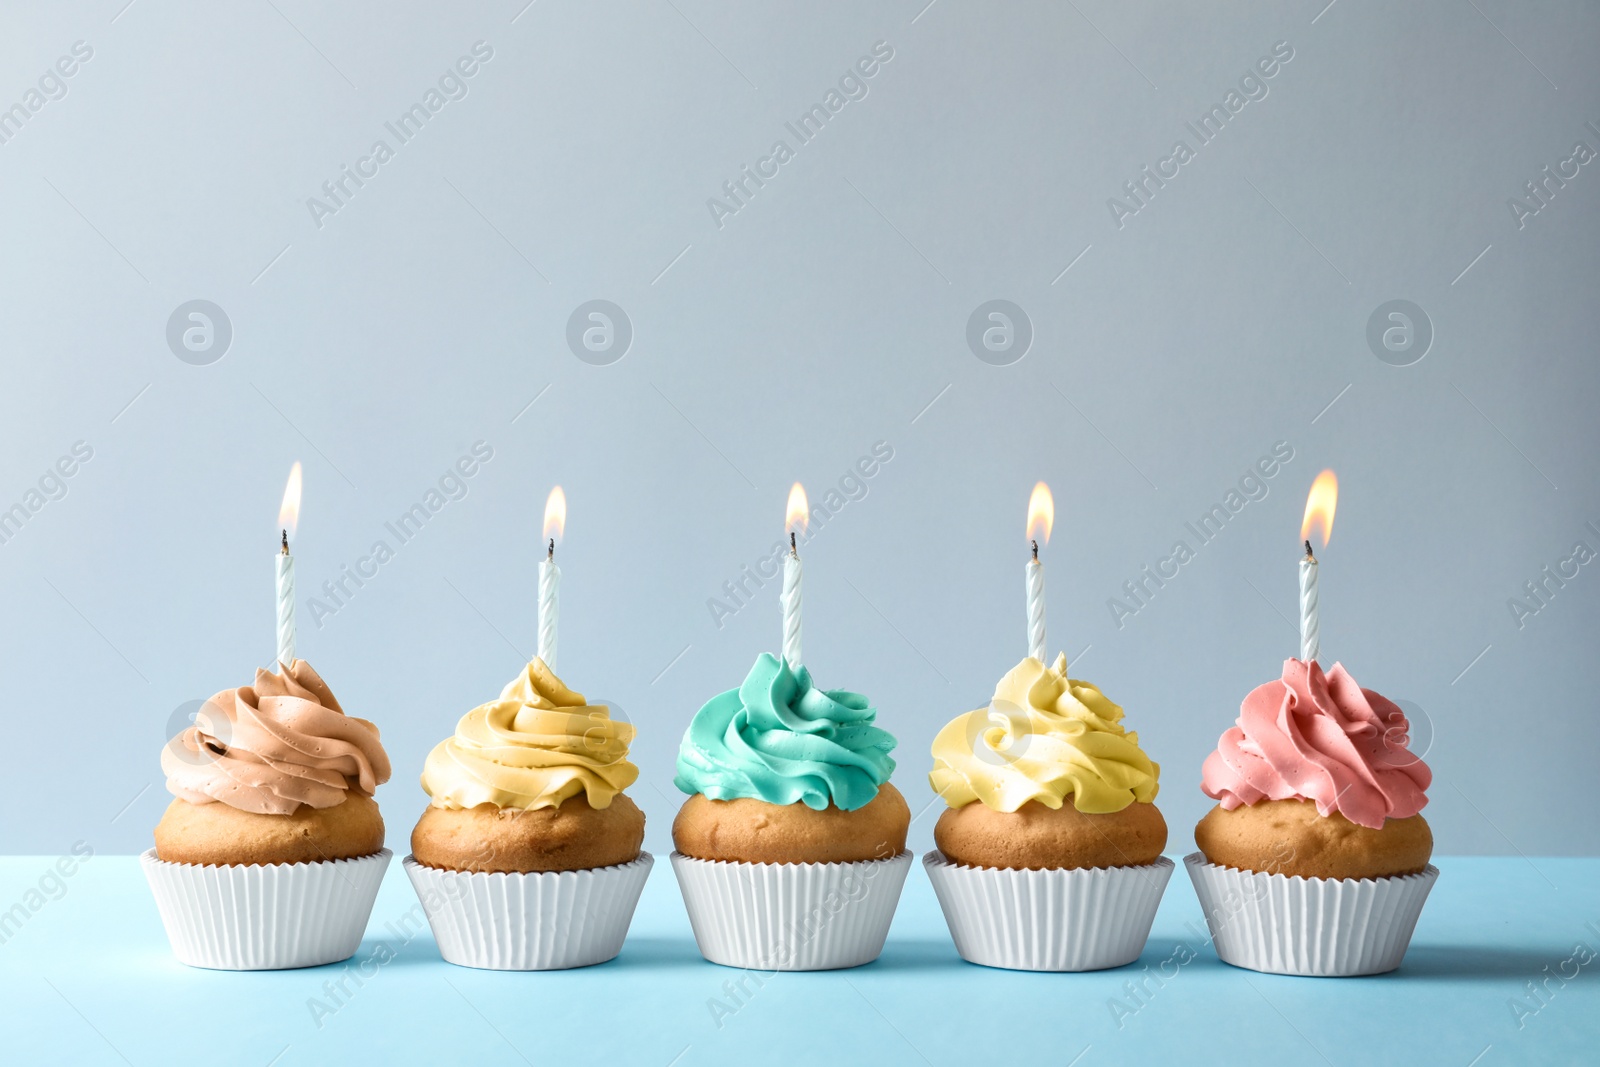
271, 853
528, 856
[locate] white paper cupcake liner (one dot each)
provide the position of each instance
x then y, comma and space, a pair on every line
1320, 927
791, 916
541, 921
265, 917
1049, 920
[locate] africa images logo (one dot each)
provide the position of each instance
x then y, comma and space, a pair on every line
51, 85
1252, 86
338, 191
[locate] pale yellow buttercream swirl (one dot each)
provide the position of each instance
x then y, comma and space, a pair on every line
1043, 737
534, 747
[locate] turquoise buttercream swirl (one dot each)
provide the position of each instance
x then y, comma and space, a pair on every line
778, 739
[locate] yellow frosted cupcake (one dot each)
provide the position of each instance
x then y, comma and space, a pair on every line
528, 856
1049, 856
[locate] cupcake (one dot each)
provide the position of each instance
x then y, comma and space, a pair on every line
528, 857
790, 850
271, 853
1315, 859
1049, 855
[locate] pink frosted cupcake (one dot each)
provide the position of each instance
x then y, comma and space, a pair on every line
1315, 860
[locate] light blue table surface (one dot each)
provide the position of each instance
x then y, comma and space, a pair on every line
89, 979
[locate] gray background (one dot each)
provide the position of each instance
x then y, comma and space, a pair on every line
829, 313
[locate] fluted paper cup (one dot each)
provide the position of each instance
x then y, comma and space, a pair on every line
266, 916
1048, 920
540, 921
1319, 927
791, 916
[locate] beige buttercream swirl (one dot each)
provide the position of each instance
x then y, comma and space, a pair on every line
274, 746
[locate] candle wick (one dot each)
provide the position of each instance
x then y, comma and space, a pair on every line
792, 551
1309, 554
550, 554
1035, 550
285, 541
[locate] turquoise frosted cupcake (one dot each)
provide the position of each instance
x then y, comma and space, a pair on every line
790, 850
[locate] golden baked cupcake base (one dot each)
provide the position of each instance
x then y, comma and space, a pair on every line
1290, 837
1038, 837
571, 837
754, 831
223, 835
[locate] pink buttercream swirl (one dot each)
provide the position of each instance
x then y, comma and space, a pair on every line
1321, 738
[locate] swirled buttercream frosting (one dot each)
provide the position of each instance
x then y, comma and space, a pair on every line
1043, 737
275, 746
779, 739
534, 746
1310, 736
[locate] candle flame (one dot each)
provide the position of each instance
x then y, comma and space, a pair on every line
798, 513
555, 514
289, 510
1041, 514
1319, 507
